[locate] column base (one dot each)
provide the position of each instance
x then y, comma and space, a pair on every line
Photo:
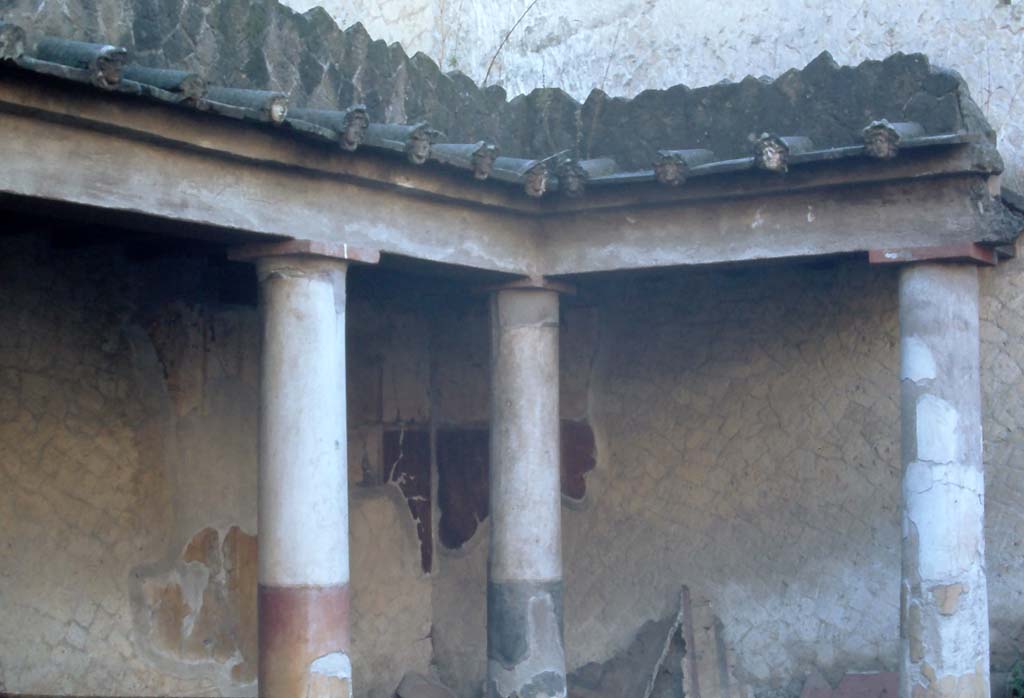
304, 642
525, 655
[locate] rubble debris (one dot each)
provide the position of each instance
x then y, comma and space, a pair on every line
650, 667
709, 671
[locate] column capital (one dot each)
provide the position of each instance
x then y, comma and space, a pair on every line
532, 283
340, 251
968, 252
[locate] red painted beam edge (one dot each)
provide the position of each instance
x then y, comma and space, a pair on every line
966, 252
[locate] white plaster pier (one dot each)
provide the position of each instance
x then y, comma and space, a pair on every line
944, 599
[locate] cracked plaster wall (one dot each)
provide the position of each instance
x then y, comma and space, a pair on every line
128, 408
85, 494
748, 436
746, 426
745, 421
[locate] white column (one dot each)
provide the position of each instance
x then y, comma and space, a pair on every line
944, 600
303, 486
524, 593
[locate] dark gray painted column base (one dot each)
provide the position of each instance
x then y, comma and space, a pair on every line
525, 655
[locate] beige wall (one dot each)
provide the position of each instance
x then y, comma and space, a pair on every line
128, 407
746, 420
748, 433
740, 466
747, 447
86, 492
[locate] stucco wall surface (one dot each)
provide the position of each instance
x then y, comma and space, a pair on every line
86, 491
128, 413
747, 425
624, 48
746, 421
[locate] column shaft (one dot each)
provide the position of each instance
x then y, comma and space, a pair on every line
524, 593
944, 601
303, 483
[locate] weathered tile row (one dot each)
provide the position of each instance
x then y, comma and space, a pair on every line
108, 67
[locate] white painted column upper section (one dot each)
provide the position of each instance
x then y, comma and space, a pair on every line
303, 486
525, 499
944, 605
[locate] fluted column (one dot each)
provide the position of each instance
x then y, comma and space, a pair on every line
524, 592
944, 600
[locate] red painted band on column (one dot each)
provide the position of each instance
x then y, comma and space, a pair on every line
297, 626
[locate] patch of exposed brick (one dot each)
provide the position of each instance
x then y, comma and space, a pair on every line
406, 456
579, 457
463, 460
463, 466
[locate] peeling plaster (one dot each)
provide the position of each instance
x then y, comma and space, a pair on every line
947, 597
330, 676
406, 454
947, 653
545, 656
916, 361
199, 612
715, 398
949, 529
937, 435
333, 664
463, 462
917, 477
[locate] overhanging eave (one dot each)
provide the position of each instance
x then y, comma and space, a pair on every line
111, 153
925, 212
71, 164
